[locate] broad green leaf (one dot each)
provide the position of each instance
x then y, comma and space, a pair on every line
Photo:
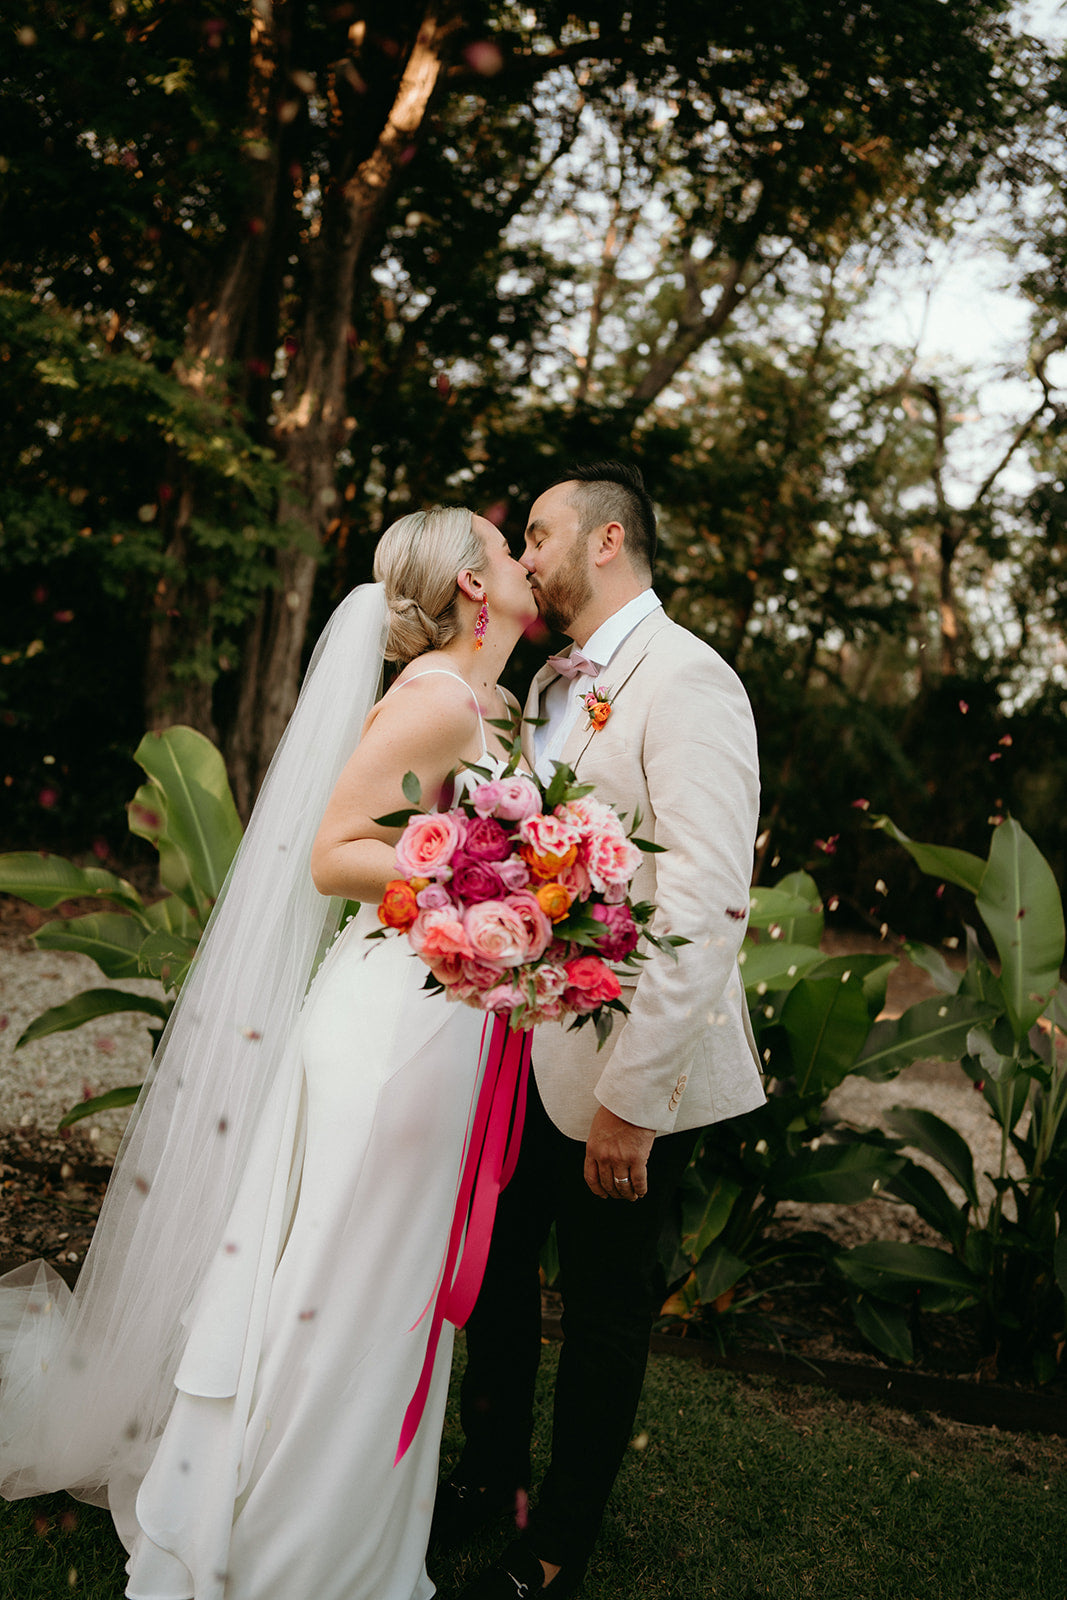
774, 964
173, 915
718, 1270
47, 881
938, 861
110, 939
919, 1188
898, 1272
1000, 1065
168, 957
112, 1101
934, 965
705, 1210
933, 1029
1020, 905
768, 906
808, 927
826, 1021
201, 818
89, 1005
885, 1326
937, 1138
840, 1174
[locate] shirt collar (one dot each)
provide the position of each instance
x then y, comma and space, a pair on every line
602, 645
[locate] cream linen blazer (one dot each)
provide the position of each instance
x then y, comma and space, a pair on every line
680, 747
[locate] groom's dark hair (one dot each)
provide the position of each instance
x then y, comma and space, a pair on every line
613, 491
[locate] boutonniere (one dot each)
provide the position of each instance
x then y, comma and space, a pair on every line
598, 707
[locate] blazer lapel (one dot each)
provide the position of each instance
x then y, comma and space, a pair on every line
623, 664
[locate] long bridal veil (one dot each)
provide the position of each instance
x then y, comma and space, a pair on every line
88, 1379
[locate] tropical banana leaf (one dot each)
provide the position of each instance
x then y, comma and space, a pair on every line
807, 926
1020, 904
718, 1270
705, 1210
885, 1326
933, 1029
112, 940
112, 1101
839, 1174
46, 881
86, 1007
919, 1188
826, 1021
899, 1272
774, 964
934, 965
168, 957
938, 860
201, 818
936, 1138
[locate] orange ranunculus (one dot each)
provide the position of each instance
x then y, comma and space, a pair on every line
399, 907
599, 714
554, 900
546, 864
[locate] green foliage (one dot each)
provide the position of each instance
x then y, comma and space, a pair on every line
1007, 1027
186, 810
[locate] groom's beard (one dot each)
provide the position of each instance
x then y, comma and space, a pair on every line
567, 591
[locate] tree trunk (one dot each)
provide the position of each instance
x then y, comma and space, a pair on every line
311, 424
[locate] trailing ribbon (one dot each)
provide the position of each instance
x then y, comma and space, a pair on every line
492, 1151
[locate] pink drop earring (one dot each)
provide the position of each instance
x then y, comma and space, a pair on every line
481, 622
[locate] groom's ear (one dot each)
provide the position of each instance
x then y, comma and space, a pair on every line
608, 543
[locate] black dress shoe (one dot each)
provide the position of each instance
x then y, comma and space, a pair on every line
519, 1575
460, 1510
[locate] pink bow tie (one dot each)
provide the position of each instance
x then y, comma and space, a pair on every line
574, 665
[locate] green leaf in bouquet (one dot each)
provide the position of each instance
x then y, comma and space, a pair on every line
412, 788
647, 846
398, 819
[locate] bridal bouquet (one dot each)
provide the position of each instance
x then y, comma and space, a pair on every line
516, 899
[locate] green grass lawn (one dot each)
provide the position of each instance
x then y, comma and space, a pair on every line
736, 1489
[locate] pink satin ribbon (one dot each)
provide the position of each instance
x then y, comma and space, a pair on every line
492, 1152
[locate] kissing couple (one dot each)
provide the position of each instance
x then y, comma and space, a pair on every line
231, 1374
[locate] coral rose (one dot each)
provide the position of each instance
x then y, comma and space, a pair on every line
589, 984
399, 908
439, 933
428, 843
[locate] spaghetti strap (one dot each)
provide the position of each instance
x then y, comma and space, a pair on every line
444, 673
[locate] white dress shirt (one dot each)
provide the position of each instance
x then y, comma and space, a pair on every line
561, 701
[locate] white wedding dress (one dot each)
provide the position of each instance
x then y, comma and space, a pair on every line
275, 1478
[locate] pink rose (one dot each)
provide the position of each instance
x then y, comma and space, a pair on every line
538, 926
577, 880
513, 873
549, 982
480, 975
511, 798
439, 933
433, 897
589, 984
505, 997
428, 843
611, 862
474, 880
620, 931
448, 969
486, 840
498, 933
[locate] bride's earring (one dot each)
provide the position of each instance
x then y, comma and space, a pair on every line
481, 622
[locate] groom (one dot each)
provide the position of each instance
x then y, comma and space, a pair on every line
608, 1134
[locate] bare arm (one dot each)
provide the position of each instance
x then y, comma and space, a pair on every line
428, 728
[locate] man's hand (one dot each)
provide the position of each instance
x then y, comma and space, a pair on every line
616, 1156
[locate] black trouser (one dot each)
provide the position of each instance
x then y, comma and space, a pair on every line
610, 1283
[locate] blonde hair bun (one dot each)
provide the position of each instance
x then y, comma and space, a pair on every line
418, 560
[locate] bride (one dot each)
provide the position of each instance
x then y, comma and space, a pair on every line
231, 1375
